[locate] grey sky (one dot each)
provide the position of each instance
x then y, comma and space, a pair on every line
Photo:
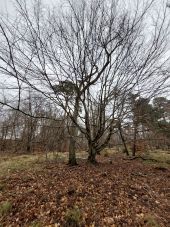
8, 5
4, 4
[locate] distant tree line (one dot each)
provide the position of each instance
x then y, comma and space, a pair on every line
145, 126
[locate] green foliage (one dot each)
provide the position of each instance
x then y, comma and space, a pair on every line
65, 87
141, 109
73, 217
153, 115
5, 208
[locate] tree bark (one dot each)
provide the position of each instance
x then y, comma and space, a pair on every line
134, 140
73, 133
72, 154
123, 141
92, 155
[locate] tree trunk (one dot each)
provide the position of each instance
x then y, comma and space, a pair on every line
92, 155
29, 143
123, 141
134, 140
73, 133
72, 154
28, 148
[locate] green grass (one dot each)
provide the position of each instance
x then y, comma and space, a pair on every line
162, 159
5, 208
161, 156
24, 162
150, 221
10, 163
107, 152
21, 162
73, 217
2, 186
35, 224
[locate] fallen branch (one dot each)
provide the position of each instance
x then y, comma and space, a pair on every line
143, 158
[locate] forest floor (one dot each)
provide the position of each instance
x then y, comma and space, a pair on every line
116, 192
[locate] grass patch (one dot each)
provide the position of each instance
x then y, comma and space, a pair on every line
160, 159
35, 224
108, 152
56, 157
2, 186
73, 217
5, 208
162, 166
24, 162
160, 156
16, 163
150, 221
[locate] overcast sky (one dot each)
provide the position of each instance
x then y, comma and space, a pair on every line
7, 5
4, 4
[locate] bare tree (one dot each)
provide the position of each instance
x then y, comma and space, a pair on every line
99, 49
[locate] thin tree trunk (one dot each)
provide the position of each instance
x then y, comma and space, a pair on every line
73, 133
134, 140
72, 153
123, 140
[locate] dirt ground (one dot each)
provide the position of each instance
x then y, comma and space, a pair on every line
113, 193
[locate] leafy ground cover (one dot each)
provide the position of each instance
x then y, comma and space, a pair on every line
116, 192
